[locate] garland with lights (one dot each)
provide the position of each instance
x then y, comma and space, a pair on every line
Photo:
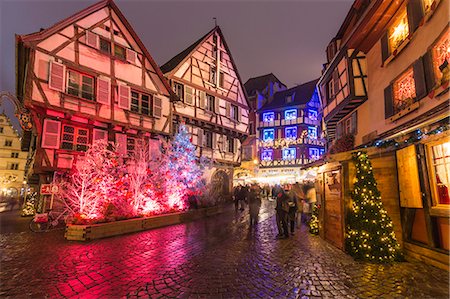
370, 233
314, 222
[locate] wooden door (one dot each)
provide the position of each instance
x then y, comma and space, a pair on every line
333, 212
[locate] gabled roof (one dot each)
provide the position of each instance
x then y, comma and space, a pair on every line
178, 60
43, 34
259, 83
301, 95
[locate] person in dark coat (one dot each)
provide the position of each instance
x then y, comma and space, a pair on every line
254, 204
293, 206
236, 196
282, 209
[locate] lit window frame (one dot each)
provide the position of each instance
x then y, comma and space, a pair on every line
267, 155
398, 31
77, 143
290, 132
312, 132
289, 153
314, 153
266, 132
290, 114
312, 114
442, 42
268, 116
400, 102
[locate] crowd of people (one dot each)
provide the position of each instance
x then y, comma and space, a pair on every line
293, 204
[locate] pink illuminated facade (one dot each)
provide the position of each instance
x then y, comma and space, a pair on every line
86, 78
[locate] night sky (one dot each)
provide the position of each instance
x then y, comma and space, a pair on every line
287, 38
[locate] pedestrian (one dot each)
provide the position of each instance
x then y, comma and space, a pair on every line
293, 206
282, 209
12, 202
242, 197
254, 204
310, 199
236, 196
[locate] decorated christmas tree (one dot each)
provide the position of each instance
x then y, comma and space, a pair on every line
183, 169
370, 233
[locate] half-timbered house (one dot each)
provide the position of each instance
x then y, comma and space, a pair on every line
89, 77
212, 103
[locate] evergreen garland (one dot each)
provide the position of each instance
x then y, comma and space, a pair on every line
370, 233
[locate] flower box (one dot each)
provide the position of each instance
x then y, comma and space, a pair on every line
75, 232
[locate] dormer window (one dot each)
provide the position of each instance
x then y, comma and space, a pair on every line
398, 31
268, 116
290, 114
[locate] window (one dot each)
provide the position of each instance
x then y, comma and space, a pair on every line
208, 139
221, 79
14, 155
289, 153
268, 134
404, 90
210, 100
268, 116
250, 128
214, 53
312, 114
426, 5
234, 112
439, 162
290, 132
398, 31
230, 144
212, 75
179, 90
119, 51
290, 114
131, 145
105, 46
314, 153
441, 56
140, 103
1, 129
13, 166
74, 138
8, 142
267, 155
312, 132
289, 99
80, 85
331, 89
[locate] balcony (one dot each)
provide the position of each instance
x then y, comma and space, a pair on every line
283, 142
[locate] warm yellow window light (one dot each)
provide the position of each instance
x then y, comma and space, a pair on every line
399, 31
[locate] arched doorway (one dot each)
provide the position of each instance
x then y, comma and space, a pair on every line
221, 182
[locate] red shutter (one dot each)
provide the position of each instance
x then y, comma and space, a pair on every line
56, 78
92, 39
103, 91
131, 56
121, 143
51, 134
99, 135
157, 107
124, 97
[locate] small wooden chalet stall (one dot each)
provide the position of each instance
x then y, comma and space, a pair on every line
334, 184
86, 78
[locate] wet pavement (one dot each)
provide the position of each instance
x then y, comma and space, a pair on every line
218, 257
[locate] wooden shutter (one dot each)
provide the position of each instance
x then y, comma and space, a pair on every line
224, 143
202, 99
188, 95
131, 55
415, 14
216, 105
354, 122
92, 39
228, 109
235, 145
339, 130
214, 140
239, 111
103, 91
99, 135
121, 143
124, 96
51, 134
200, 137
56, 80
385, 53
430, 78
419, 79
157, 107
388, 102
408, 178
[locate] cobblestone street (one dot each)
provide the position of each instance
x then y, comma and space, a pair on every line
218, 257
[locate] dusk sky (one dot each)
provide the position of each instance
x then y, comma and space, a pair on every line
287, 38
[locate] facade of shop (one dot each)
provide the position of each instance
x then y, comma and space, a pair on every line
212, 103
289, 134
89, 77
400, 53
